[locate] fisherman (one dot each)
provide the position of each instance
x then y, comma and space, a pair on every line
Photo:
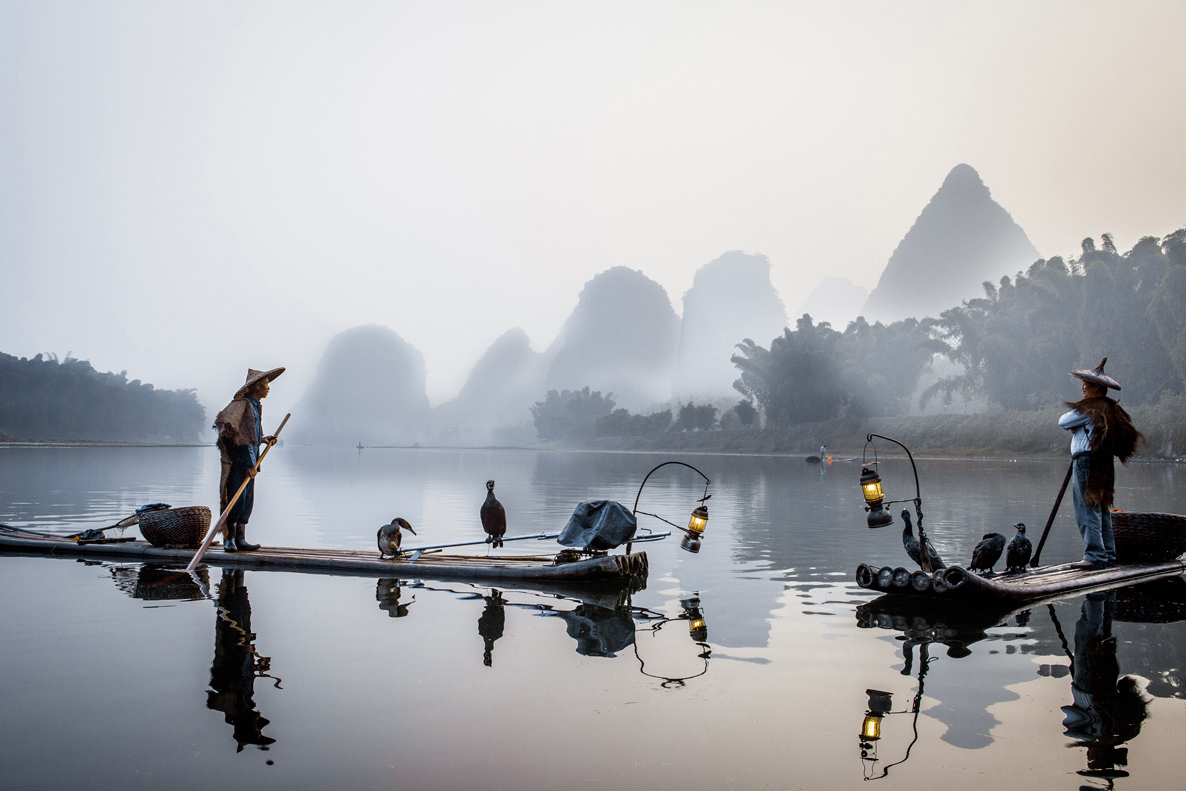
240, 434
1100, 430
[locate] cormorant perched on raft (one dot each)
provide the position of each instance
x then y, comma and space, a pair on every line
912, 545
389, 537
987, 552
1019, 551
494, 517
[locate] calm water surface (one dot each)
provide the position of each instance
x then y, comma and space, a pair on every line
119, 675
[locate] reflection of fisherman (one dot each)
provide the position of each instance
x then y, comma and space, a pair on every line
240, 433
1100, 429
1107, 710
490, 624
232, 675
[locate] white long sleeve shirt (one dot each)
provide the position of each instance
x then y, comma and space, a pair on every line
1080, 440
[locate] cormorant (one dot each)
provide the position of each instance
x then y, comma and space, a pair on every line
389, 537
1019, 551
912, 547
494, 517
987, 552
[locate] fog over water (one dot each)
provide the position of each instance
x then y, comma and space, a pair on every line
188, 190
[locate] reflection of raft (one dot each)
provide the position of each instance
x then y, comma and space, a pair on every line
344, 561
956, 582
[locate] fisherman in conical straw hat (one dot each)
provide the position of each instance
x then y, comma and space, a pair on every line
240, 434
1100, 430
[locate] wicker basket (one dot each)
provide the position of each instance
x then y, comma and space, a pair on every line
180, 528
1146, 538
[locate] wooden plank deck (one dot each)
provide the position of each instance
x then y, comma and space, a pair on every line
430, 566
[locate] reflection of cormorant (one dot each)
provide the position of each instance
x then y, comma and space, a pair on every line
1106, 710
490, 624
387, 594
232, 675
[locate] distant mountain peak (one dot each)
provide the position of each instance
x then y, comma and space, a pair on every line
961, 238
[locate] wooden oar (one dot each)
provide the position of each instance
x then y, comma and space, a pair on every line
193, 564
1053, 511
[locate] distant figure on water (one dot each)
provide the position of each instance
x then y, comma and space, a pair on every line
494, 517
240, 435
1100, 430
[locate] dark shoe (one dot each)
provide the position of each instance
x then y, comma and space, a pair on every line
1087, 564
241, 539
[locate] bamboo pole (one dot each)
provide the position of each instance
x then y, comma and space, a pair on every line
217, 528
1053, 511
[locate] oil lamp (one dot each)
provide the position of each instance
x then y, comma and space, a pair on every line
871, 487
695, 529
879, 705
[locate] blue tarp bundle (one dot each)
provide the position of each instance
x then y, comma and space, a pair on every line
598, 524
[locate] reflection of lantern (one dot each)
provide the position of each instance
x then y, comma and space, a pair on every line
871, 488
697, 628
879, 705
695, 529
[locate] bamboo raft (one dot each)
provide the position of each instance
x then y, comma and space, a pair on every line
957, 583
536, 568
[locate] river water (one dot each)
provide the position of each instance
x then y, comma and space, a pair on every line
749, 665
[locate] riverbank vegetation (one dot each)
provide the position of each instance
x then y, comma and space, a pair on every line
1010, 351
50, 399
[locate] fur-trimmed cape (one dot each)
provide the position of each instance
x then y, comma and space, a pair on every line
1112, 435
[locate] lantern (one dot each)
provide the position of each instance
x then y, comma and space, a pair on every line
871, 488
695, 529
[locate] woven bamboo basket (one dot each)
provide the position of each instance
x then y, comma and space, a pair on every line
1148, 537
180, 528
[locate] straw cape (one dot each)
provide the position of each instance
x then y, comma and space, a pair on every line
254, 376
1093, 375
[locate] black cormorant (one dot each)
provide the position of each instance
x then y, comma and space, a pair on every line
1019, 551
987, 552
494, 517
389, 537
912, 547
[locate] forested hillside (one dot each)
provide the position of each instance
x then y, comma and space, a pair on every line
48, 399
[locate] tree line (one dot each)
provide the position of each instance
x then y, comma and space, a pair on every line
47, 398
1012, 349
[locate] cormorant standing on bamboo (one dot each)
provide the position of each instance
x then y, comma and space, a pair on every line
987, 552
1019, 551
389, 537
912, 545
494, 517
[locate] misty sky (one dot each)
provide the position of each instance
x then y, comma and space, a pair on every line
189, 189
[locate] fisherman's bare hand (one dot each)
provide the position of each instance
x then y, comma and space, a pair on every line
270, 439
251, 472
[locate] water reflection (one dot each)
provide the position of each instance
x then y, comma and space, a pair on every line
237, 664
387, 593
1106, 710
1106, 707
490, 625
